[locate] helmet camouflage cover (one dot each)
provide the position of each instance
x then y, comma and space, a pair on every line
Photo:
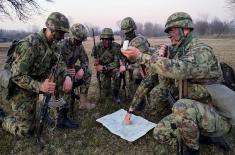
57, 21
179, 19
128, 24
141, 43
78, 31
107, 33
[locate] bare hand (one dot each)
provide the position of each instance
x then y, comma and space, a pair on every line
99, 68
122, 68
67, 85
163, 51
131, 53
79, 75
48, 87
127, 119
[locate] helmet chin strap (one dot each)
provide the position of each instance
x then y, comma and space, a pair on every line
181, 37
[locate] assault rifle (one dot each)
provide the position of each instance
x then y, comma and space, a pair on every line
45, 103
96, 56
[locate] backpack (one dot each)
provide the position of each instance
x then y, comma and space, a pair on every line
6, 85
228, 76
223, 99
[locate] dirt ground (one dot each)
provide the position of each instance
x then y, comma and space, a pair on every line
92, 137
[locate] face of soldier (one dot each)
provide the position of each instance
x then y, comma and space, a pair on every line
77, 42
106, 43
58, 35
174, 35
130, 35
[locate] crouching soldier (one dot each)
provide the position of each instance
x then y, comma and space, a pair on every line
34, 59
194, 118
107, 56
73, 52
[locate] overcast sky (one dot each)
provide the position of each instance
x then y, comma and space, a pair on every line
106, 13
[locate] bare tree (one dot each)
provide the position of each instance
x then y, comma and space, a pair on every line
201, 27
22, 9
231, 6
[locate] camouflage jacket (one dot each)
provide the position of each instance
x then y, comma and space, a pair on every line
109, 58
72, 53
34, 61
194, 61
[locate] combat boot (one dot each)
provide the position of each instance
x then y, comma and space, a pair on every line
217, 141
84, 103
116, 98
2, 115
190, 151
64, 122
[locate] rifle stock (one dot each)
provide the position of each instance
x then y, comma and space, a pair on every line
96, 56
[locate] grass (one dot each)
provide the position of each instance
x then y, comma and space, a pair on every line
92, 137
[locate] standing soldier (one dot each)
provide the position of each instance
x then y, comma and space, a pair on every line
72, 51
107, 56
128, 26
34, 59
193, 68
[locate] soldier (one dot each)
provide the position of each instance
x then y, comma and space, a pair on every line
128, 26
72, 51
107, 56
193, 66
152, 87
34, 59
149, 80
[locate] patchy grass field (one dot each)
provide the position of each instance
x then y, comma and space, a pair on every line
92, 137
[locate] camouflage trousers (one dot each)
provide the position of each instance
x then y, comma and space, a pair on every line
79, 87
188, 120
110, 81
21, 120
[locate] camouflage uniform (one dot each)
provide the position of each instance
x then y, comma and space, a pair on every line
195, 62
128, 26
71, 54
31, 67
149, 82
109, 58
34, 61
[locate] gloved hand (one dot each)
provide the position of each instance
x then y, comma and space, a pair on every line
48, 87
99, 68
67, 85
79, 75
127, 119
71, 71
122, 68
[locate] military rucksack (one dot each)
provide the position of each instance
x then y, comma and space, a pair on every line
228, 76
6, 85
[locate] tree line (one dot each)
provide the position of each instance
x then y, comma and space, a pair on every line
204, 27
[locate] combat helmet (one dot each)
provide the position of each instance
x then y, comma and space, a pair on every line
179, 19
78, 31
128, 24
107, 33
141, 43
57, 21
